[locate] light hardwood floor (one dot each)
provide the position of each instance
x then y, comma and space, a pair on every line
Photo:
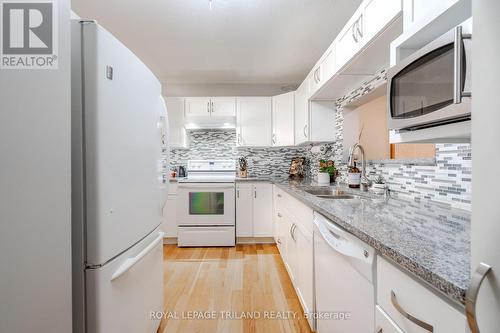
245, 278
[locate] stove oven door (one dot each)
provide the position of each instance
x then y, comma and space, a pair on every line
206, 204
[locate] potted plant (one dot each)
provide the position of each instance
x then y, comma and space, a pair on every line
328, 167
379, 185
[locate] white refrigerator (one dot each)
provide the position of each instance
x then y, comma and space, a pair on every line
118, 123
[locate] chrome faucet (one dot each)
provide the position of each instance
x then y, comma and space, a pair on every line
365, 182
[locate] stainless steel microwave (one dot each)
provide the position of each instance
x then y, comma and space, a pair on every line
432, 87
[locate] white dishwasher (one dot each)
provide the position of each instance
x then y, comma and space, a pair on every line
344, 270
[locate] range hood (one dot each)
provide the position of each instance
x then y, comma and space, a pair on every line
193, 123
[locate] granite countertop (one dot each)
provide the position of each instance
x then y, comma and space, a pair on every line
429, 240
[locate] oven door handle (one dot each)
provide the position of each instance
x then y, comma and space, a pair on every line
206, 186
458, 66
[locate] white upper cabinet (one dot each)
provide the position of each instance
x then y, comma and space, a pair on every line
283, 119
177, 131
314, 120
302, 113
360, 50
323, 71
211, 107
377, 14
223, 106
197, 106
253, 121
417, 11
349, 40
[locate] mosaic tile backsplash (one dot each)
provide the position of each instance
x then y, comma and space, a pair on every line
447, 180
262, 162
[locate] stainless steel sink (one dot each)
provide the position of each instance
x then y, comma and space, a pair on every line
330, 194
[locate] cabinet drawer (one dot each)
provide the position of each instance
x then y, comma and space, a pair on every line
384, 323
396, 288
302, 214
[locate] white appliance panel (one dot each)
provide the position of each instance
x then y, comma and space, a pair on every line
343, 279
206, 236
122, 112
122, 293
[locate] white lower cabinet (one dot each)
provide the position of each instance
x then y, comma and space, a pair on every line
262, 210
293, 234
398, 293
169, 224
254, 210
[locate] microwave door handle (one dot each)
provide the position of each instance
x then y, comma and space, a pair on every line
458, 62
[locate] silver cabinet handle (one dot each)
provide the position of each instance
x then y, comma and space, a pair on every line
274, 138
238, 194
208, 106
457, 71
471, 296
278, 241
379, 330
212, 107
278, 195
353, 32
255, 194
291, 231
279, 215
359, 23
408, 316
305, 128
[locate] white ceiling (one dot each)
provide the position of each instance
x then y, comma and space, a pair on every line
238, 43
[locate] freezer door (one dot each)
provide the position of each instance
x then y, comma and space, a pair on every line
123, 111
122, 294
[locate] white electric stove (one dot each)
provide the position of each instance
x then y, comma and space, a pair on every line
206, 204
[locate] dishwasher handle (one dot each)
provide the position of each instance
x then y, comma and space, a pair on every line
335, 239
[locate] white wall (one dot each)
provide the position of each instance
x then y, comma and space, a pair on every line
35, 195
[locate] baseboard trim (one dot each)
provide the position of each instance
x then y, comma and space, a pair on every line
255, 240
170, 240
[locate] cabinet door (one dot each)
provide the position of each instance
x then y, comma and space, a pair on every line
169, 225
223, 106
305, 268
283, 119
348, 42
253, 118
263, 210
291, 250
328, 64
281, 236
302, 113
177, 131
197, 106
244, 210
377, 15
416, 11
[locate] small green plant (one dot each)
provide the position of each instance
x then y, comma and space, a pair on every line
327, 166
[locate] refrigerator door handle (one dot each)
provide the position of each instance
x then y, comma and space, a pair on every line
130, 262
